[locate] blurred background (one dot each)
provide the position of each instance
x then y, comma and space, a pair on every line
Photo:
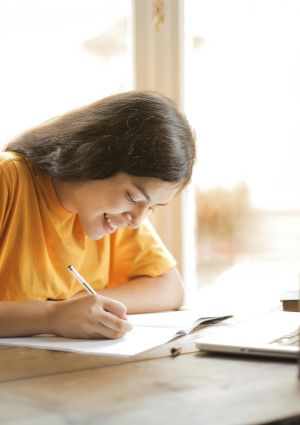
235, 65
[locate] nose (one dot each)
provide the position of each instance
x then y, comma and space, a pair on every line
135, 217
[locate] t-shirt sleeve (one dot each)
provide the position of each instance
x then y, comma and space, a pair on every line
4, 198
138, 252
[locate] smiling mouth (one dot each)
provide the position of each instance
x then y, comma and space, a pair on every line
109, 223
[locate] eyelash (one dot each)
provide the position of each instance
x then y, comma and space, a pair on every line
130, 199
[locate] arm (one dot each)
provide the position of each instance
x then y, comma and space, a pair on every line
86, 317
149, 294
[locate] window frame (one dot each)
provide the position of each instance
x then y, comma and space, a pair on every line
158, 66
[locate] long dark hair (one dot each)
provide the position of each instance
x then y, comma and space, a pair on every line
138, 133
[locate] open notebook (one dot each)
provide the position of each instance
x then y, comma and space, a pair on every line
149, 331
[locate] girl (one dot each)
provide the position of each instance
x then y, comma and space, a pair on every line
76, 191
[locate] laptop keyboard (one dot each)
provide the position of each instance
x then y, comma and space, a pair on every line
292, 338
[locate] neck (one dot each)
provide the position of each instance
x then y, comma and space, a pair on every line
65, 194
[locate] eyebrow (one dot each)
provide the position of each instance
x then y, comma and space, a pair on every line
145, 194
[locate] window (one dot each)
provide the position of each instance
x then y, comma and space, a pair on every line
242, 67
57, 55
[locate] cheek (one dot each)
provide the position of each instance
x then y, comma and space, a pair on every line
88, 210
93, 228
101, 200
114, 205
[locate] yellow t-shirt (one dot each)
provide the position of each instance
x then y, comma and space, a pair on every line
39, 239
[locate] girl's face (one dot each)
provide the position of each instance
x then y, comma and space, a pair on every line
105, 205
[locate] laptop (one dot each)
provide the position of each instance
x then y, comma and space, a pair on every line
272, 334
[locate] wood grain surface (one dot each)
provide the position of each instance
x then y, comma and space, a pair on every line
47, 387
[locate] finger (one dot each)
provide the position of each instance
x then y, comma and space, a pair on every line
113, 322
100, 331
114, 307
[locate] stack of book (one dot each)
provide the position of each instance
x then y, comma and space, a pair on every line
291, 301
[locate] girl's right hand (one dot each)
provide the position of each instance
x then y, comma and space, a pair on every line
92, 316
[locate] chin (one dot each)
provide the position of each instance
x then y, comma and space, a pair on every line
95, 236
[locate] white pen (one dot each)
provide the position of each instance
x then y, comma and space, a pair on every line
80, 279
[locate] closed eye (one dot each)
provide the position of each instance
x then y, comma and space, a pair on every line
130, 198
133, 201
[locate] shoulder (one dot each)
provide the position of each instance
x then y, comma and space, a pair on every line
12, 167
11, 160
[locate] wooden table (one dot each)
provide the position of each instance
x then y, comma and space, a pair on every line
50, 387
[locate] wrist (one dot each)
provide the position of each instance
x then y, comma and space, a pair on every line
51, 320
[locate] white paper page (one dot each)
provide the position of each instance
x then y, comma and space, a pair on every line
149, 331
170, 319
136, 341
183, 322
